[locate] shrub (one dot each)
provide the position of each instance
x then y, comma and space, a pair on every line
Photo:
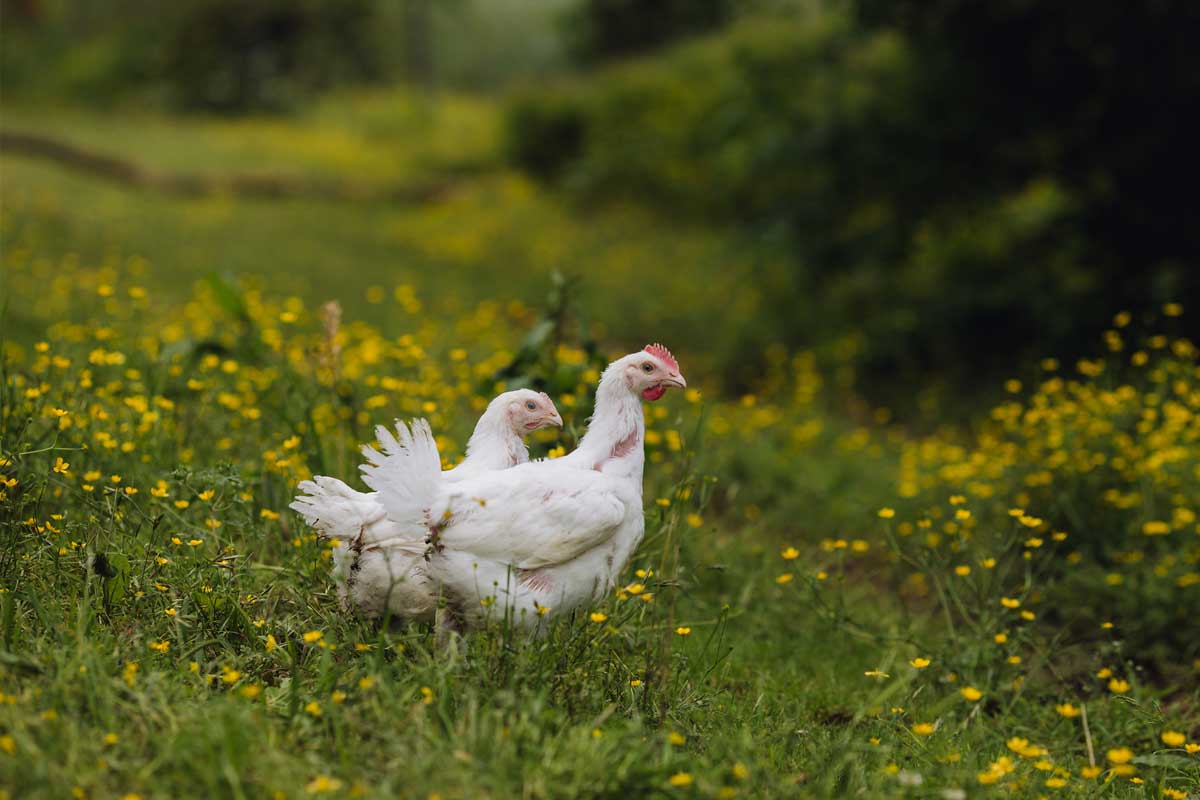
602, 29
215, 55
226, 56
824, 143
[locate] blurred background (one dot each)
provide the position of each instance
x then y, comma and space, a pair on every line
934, 194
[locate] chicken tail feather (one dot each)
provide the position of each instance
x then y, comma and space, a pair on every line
406, 472
333, 508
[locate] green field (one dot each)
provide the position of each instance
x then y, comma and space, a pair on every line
830, 604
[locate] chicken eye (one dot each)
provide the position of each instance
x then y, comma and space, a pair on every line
529, 404
647, 367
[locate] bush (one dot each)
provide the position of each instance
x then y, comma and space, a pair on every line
611, 28
824, 142
545, 136
227, 56
216, 55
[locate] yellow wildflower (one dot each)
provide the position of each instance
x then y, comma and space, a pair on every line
1173, 738
1120, 755
322, 783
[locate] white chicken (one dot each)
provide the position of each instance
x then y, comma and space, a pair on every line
374, 579
547, 536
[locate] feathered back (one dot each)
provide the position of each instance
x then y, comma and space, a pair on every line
406, 474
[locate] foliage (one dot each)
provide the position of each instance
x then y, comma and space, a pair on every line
168, 629
1047, 92
271, 56
865, 195
1102, 468
828, 604
487, 44
221, 55
1058, 547
200, 55
376, 141
601, 29
471, 243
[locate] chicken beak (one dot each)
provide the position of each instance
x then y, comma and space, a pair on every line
552, 419
676, 380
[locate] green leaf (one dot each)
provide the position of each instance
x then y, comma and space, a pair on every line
114, 568
1165, 760
227, 295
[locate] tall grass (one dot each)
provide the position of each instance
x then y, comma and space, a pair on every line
798, 619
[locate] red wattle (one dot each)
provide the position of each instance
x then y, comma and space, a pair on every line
654, 392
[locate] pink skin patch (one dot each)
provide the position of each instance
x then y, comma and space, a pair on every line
625, 446
548, 406
536, 580
620, 450
653, 393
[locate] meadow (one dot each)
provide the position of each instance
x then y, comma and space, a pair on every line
828, 603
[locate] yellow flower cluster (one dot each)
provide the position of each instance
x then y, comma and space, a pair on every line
1086, 490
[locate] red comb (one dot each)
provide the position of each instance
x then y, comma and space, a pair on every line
663, 355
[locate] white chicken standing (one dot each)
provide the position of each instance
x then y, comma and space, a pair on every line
547, 536
374, 579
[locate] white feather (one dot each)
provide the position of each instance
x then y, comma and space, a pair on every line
550, 534
379, 565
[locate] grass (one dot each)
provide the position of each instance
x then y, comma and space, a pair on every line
474, 245
377, 137
808, 610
